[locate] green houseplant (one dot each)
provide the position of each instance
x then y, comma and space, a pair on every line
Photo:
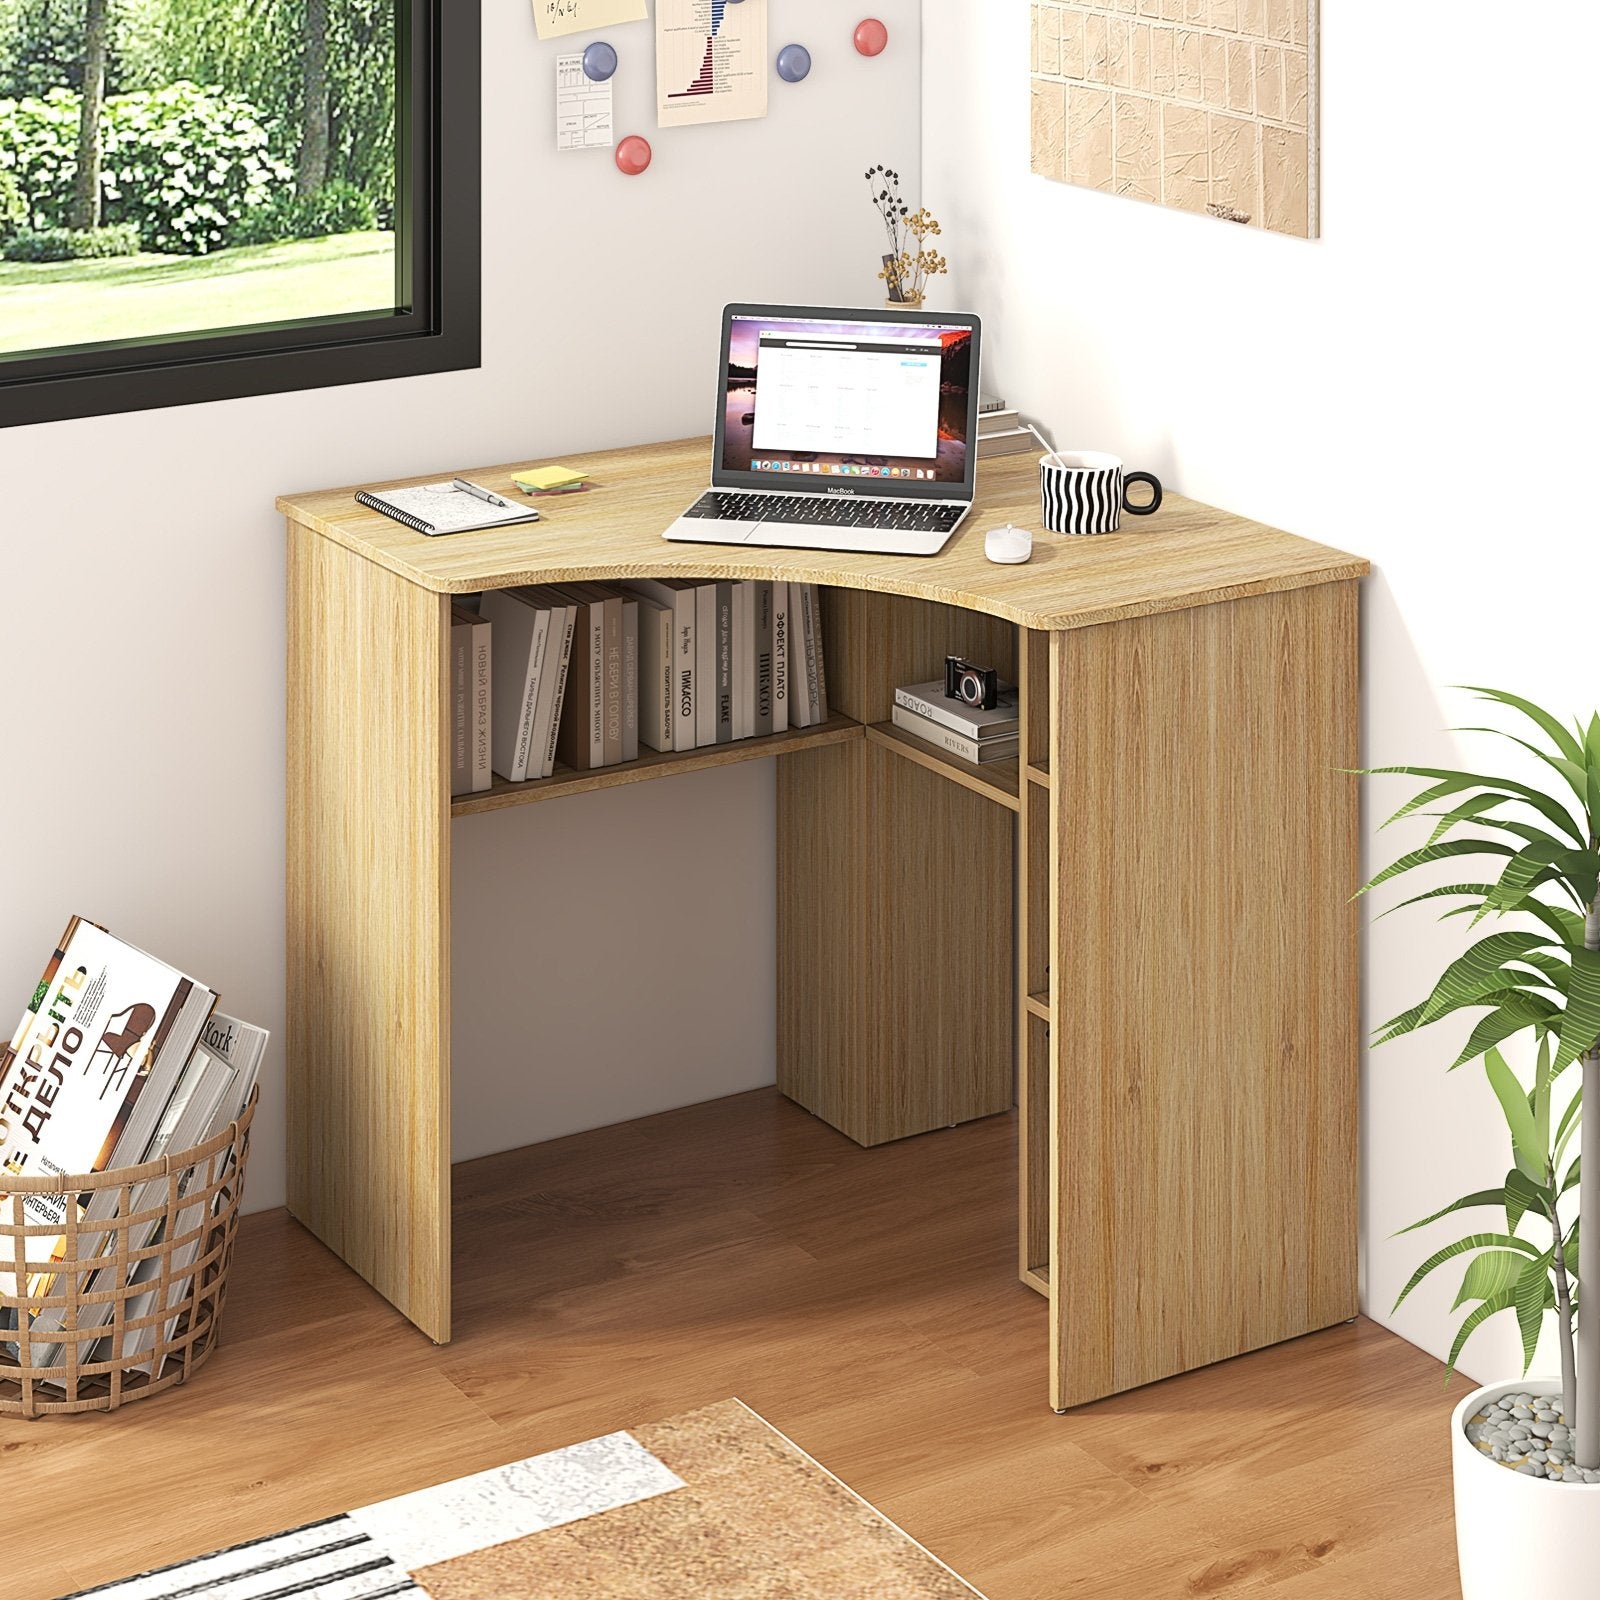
1531, 980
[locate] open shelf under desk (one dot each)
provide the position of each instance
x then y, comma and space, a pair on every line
994, 780
1039, 1005
1038, 1278
1038, 774
653, 764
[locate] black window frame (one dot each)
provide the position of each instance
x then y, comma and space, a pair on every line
438, 201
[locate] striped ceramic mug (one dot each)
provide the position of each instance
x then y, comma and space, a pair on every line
1086, 491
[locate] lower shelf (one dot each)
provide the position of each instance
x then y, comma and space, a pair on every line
653, 764
994, 780
1038, 1278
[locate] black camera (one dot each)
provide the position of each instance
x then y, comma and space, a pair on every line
973, 686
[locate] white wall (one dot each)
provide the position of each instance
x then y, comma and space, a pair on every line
141, 651
1415, 387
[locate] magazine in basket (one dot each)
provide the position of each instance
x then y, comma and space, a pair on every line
89, 1070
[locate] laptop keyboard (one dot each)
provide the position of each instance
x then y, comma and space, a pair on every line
839, 511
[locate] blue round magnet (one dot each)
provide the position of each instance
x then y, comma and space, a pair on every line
599, 61
794, 62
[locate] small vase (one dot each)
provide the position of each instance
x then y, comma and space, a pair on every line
911, 302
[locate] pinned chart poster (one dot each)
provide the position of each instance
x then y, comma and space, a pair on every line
552, 18
584, 118
711, 61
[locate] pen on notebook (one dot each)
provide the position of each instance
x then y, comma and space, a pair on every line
472, 488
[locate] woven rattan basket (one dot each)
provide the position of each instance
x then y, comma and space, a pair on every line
194, 1194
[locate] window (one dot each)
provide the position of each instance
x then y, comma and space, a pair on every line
208, 198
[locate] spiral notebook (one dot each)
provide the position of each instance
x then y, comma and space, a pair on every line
437, 508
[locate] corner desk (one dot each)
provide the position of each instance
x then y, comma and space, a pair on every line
1140, 933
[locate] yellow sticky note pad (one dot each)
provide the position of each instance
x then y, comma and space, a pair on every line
548, 478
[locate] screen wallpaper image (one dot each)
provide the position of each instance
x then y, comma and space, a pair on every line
847, 400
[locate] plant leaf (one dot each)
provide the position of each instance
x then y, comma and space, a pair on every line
1532, 1289
1437, 852
1554, 731
1519, 1010
1480, 968
1476, 1319
1567, 1127
1540, 862
1489, 1273
1539, 1104
1523, 1195
1452, 781
1572, 771
1475, 891
1484, 800
1566, 925
1530, 1158
1474, 1241
1580, 1026
1468, 1202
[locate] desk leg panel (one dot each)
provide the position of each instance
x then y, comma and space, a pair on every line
1204, 954
368, 923
895, 971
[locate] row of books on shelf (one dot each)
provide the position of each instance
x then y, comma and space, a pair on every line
587, 674
971, 733
119, 1060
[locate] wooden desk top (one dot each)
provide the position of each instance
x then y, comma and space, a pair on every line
1187, 554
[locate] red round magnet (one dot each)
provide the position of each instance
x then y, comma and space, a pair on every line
872, 38
633, 155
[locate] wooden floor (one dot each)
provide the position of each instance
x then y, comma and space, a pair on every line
863, 1301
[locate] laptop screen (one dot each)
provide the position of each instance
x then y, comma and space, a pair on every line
848, 401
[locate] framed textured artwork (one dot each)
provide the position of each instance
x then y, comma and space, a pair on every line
1206, 105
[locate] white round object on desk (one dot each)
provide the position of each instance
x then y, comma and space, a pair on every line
1009, 546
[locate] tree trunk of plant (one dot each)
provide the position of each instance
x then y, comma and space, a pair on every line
84, 212
1569, 1369
1586, 1424
312, 171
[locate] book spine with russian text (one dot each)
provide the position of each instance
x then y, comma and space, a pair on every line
612, 608
460, 704
566, 619
655, 674
761, 632
724, 663
805, 666
630, 679
743, 661
780, 657
481, 669
818, 656
705, 665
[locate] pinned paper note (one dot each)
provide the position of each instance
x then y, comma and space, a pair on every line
583, 107
553, 18
711, 61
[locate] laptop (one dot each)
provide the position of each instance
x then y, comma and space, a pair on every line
841, 430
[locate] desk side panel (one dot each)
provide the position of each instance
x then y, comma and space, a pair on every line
1204, 950
368, 923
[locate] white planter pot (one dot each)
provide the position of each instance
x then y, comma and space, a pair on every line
1516, 1534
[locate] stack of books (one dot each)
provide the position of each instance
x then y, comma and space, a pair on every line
1000, 430
967, 732
588, 674
119, 1059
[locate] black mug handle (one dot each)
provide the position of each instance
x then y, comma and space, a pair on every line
1155, 486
